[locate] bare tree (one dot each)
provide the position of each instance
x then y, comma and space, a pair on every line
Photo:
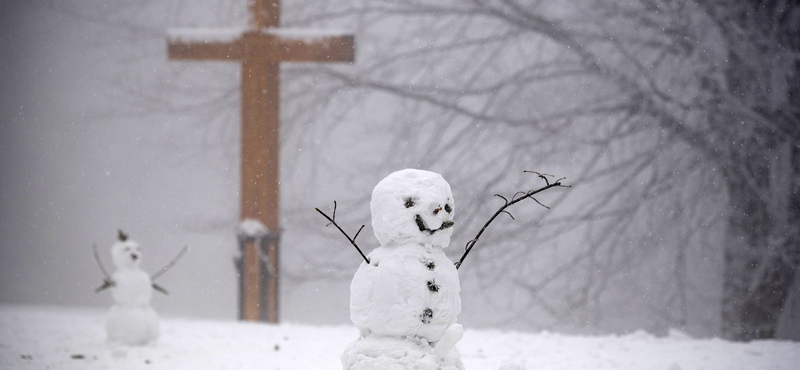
670, 108
673, 119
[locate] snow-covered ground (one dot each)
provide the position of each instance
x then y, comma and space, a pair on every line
65, 338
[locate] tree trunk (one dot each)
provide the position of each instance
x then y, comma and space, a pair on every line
761, 246
789, 320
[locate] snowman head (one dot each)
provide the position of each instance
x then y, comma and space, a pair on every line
126, 253
413, 206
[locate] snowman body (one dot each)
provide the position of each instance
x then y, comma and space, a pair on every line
131, 319
406, 290
406, 300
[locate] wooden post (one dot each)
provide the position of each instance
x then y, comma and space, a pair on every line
260, 49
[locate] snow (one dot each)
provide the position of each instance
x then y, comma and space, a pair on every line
131, 288
389, 295
125, 254
131, 320
409, 290
69, 338
393, 223
387, 353
137, 325
225, 35
307, 35
252, 228
204, 34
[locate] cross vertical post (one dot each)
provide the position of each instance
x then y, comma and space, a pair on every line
260, 48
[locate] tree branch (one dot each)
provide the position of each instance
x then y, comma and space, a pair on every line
107, 280
530, 194
352, 240
169, 266
159, 289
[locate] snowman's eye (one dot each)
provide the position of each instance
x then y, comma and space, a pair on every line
409, 202
448, 209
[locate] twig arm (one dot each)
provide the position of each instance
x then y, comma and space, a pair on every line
159, 289
107, 280
514, 200
352, 240
106, 284
100, 263
169, 265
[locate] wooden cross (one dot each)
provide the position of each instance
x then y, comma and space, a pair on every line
260, 48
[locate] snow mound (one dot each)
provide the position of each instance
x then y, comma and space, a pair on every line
251, 228
389, 353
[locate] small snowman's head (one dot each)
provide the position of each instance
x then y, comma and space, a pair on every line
413, 206
126, 253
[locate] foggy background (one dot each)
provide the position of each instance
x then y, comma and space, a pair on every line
642, 106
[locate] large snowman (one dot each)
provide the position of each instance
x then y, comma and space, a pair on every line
406, 300
131, 320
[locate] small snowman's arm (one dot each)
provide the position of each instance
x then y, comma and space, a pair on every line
170, 264
107, 280
166, 268
106, 284
160, 289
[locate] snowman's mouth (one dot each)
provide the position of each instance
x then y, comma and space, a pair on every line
134, 257
424, 228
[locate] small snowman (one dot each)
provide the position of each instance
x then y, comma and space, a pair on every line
406, 299
131, 319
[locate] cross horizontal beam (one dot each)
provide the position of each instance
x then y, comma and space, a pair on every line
274, 45
179, 50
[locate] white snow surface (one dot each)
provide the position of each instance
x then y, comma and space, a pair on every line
69, 338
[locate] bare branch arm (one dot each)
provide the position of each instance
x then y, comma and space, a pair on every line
169, 266
160, 289
530, 194
107, 280
100, 263
106, 284
353, 240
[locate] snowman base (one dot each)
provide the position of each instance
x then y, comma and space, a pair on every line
376, 352
132, 326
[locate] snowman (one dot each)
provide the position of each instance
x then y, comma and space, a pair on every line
405, 298
131, 320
